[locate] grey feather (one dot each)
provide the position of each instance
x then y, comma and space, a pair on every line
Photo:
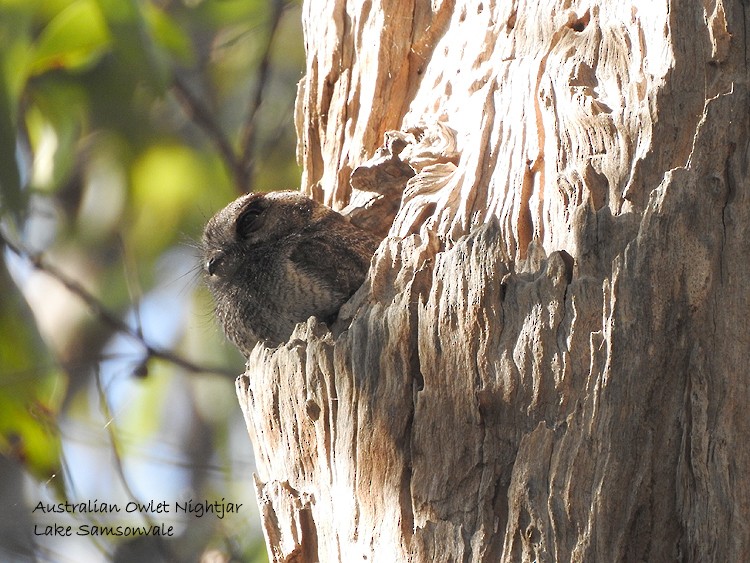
274, 260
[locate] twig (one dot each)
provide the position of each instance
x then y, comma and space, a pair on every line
113, 441
247, 136
104, 315
240, 163
203, 118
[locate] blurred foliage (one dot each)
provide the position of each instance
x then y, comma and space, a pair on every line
26, 411
124, 124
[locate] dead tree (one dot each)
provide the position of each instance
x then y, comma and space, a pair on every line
549, 359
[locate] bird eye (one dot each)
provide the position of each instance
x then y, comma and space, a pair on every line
213, 263
250, 220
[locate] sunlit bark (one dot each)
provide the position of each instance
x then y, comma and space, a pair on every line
548, 361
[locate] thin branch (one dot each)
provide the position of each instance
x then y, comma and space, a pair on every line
104, 315
240, 163
202, 117
120, 470
247, 136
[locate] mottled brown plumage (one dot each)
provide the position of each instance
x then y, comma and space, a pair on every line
274, 260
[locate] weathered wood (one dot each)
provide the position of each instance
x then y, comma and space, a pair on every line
548, 361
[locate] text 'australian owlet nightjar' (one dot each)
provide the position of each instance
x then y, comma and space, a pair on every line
273, 260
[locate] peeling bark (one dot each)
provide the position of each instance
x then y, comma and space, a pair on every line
548, 361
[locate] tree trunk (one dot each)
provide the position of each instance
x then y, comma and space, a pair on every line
548, 361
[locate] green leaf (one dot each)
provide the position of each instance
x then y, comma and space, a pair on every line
168, 34
15, 23
11, 197
55, 117
74, 39
31, 388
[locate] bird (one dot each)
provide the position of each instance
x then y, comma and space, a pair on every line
272, 260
